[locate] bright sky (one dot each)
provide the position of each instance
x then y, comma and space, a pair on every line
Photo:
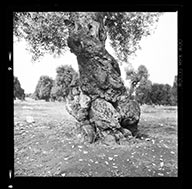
158, 54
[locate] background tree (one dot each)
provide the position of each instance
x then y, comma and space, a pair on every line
161, 94
167, 95
174, 92
66, 77
156, 92
85, 34
43, 88
146, 92
143, 91
18, 91
136, 78
56, 92
28, 95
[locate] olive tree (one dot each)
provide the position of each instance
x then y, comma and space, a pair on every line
100, 103
43, 88
66, 77
18, 91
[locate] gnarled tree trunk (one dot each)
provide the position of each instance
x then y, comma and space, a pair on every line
100, 104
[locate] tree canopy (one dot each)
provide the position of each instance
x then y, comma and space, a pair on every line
143, 92
139, 76
161, 94
47, 32
43, 88
148, 93
66, 77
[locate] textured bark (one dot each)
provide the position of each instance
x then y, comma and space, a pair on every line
100, 104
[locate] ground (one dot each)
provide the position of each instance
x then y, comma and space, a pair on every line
50, 145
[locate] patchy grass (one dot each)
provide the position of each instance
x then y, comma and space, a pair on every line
48, 147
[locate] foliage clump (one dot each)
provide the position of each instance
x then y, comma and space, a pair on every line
18, 91
43, 88
146, 92
47, 32
66, 78
49, 89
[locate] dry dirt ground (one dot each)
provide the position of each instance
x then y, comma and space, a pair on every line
47, 147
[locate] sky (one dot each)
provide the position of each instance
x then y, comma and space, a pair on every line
158, 53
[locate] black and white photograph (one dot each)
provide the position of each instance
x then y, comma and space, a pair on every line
95, 94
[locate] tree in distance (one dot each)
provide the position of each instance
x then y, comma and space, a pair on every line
18, 91
43, 88
161, 94
29, 95
148, 93
66, 78
174, 92
139, 82
143, 92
